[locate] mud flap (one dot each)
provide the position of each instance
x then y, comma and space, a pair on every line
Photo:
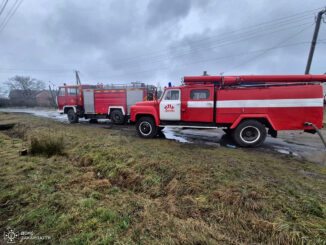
272, 132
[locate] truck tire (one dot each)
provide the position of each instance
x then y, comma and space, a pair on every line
72, 116
146, 127
117, 117
249, 133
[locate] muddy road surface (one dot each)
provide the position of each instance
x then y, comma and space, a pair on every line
292, 143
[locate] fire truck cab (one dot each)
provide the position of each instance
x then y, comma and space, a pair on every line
102, 102
246, 107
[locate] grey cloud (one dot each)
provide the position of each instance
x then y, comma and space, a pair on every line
85, 24
167, 11
154, 41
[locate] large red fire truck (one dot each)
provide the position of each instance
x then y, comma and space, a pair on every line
102, 102
244, 106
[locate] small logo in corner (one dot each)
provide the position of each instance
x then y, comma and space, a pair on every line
10, 236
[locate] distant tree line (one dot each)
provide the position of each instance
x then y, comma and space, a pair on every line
26, 91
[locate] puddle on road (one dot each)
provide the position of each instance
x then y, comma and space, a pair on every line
301, 148
217, 137
287, 152
53, 114
170, 134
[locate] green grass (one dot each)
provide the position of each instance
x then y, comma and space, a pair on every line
47, 146
113, 187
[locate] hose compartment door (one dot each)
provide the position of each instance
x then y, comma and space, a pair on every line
133, 96
89, 101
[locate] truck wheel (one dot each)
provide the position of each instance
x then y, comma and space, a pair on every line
249, 133
72, 116
146, 127
117, 117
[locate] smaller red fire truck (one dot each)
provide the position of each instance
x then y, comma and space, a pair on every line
102, 102
244, 106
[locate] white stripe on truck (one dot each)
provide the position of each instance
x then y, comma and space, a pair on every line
317, 102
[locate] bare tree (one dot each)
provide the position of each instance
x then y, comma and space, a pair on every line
25, 83
22, 90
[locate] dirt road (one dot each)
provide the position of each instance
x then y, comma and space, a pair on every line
293, 143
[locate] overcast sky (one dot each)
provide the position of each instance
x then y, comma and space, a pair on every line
158, 41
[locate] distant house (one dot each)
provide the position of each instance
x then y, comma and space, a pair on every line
30, 98
44, 98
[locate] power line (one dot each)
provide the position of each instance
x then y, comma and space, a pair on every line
251, 30
10, 14
301, 14
3, 7
209, 60
278, 21
222, 44
226, 57
280, 43
225, 41
216, 43
244, 38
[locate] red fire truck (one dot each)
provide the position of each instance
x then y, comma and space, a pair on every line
102, 102
244, 106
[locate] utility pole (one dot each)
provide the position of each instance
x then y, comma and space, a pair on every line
314, 40
77, 77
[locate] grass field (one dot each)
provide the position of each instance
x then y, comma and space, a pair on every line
111, 187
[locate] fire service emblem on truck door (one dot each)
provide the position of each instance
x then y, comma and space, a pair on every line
169, 108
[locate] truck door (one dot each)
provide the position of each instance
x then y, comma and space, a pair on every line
170, 106
199, 107
61, 98
72, 96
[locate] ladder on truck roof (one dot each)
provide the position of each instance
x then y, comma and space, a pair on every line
254, 80
126, 86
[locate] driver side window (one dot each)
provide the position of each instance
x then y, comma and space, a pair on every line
172, 95
62, 92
